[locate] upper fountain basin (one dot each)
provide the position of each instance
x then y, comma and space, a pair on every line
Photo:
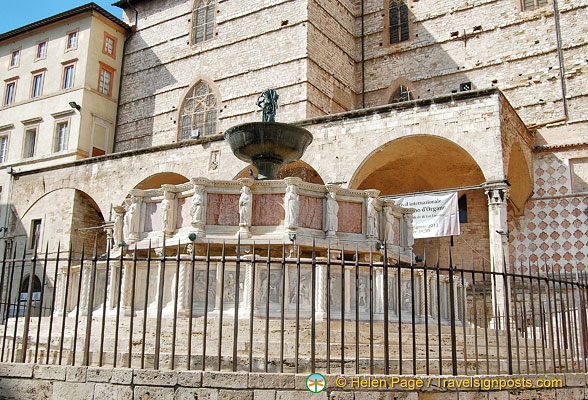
268, 140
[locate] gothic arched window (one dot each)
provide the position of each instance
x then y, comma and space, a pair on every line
202, 20
198, 112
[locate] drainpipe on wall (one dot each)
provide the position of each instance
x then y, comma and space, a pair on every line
136, 15
362, 57
562, 70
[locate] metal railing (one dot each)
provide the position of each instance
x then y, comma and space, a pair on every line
282, 308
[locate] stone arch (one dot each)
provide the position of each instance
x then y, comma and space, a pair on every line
519, 176
424, 162
214, 94
68, 215
298, 169
417, 163
161, 178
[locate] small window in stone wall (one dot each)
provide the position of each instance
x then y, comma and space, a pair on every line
462, 204
398, 21
203, 21
403, 93
579, 172
198, 113
532, 4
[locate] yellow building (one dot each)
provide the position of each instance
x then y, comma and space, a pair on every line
60, 83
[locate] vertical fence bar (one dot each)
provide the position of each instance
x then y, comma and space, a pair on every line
79, 294
43, 279
267, 308
313, 311
7, 310
161, 284
52, 303
371, 272
475, 306
570, 327
283, 306
343, 310
550, 323
27, 316
516, 320
221, 309
145, 305
581, 299
541, 321
252, 310
399, 310
485, 318
65, 301
297, 339
463, 319
452, 316
118, 304
175, 315
575, 321
132, 316
90, 308
329, 308
236, 312
413, 316
533, 321
106, 276
507, 294
386, 305
191, 306
439, 345
205, 320
525, 328
356, 311
426, 286
562, 332
496, 315
2, 304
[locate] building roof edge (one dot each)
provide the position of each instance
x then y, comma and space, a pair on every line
61, 16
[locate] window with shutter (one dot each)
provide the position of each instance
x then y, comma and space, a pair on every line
532, 4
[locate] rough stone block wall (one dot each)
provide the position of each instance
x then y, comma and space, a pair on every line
256, 45
25, 381
488, 43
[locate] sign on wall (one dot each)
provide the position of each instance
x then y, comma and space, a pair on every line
434, 216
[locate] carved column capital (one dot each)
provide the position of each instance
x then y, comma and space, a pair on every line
497, 192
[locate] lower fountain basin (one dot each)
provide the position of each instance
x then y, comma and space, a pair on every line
268, 145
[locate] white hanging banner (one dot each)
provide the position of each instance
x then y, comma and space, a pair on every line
434, 216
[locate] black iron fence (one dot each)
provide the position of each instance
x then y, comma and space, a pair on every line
282, 308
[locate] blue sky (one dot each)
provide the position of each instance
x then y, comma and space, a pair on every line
16, 13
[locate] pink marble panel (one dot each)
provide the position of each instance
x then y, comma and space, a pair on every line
268, 209
396, 227
222, 209
183, 214
311, 212
153, 220
349, 217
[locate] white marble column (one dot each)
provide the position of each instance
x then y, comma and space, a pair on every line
497, 193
